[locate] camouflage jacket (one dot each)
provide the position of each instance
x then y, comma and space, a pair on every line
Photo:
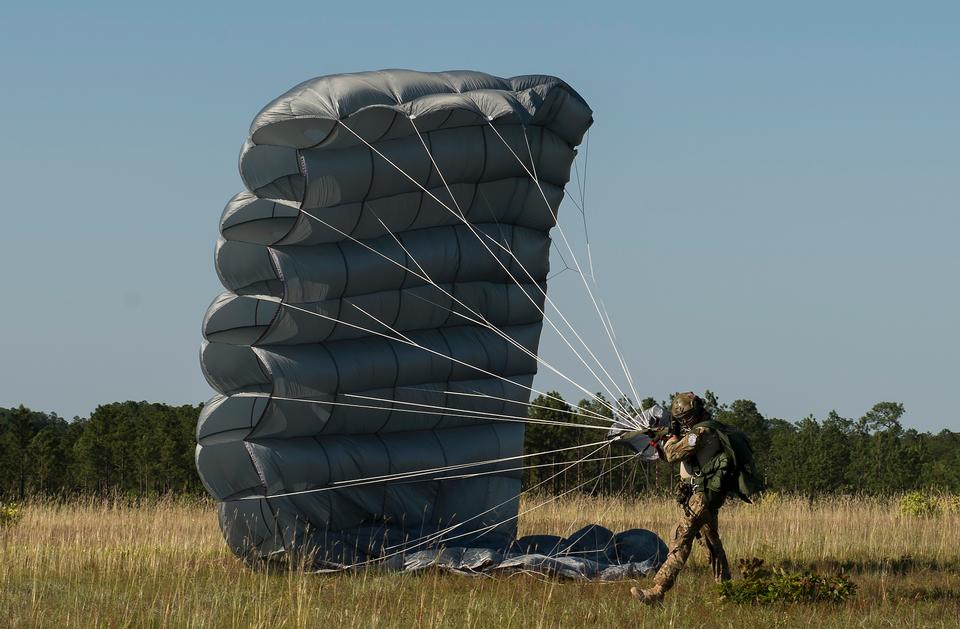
693, 449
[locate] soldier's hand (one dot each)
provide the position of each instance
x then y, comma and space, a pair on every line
657, 434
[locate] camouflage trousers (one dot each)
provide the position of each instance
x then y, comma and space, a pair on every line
699, 520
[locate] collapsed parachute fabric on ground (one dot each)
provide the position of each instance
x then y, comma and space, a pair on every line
382, 205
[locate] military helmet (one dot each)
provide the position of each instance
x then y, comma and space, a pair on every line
686, 407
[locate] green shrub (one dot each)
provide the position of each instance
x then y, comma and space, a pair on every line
10, 514
761, 585
918, 505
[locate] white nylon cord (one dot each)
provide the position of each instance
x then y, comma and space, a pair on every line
381, 254
482, 320
442, 411
475, 393
627, 419
441, 535
569, 248
448, 410
546, 502
471, 228
607, 324
531, 467
536, 180
384, 478
463, 218
403, 340
582, 206
438, 535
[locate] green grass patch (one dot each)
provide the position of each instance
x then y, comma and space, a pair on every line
919, 505
759, 584
10, 514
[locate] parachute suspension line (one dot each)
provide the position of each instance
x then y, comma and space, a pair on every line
458, 466
507, 337
563, 235
576, 171
586, 162
428, 280
558, 273
626, 368
409, 342
553, 245
414, 477
460, 214
603, 513
532, 467
475, 393
463, 219
447, 412
549, 500
399, 476
566, 267
483, 321
626, 418
441, 536
493, 214
424, 540
582, 206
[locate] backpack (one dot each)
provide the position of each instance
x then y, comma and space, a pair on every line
732, 471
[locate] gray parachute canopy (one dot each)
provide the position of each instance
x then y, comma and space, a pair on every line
385, 212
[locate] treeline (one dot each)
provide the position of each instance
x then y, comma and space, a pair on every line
142, 449
128, 448
873, 454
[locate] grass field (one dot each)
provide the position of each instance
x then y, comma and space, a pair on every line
165, 564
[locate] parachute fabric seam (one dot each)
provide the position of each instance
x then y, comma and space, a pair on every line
426, 278
345, 484
448, 412
441, 534
396, 381
471, 228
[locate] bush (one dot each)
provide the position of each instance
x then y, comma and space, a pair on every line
10, 514
918, 505
761, 585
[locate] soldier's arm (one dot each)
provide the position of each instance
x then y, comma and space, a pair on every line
679, 448
676, 449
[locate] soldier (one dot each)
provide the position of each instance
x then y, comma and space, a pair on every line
695, 447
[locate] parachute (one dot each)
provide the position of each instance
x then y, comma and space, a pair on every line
375, 349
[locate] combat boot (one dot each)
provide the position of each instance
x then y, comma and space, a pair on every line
649, 596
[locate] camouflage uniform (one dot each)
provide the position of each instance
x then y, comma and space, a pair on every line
693, 449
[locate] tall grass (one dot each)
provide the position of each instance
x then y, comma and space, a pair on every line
108, 563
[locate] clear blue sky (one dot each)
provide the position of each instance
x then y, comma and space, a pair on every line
772, 193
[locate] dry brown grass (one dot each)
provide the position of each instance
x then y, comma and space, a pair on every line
164, 564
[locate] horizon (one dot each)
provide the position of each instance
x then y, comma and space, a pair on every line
771, 197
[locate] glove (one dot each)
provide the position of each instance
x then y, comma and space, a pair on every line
658, 434
654, 434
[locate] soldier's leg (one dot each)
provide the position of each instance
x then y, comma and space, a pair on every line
680, 547
682, 542
710, 536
